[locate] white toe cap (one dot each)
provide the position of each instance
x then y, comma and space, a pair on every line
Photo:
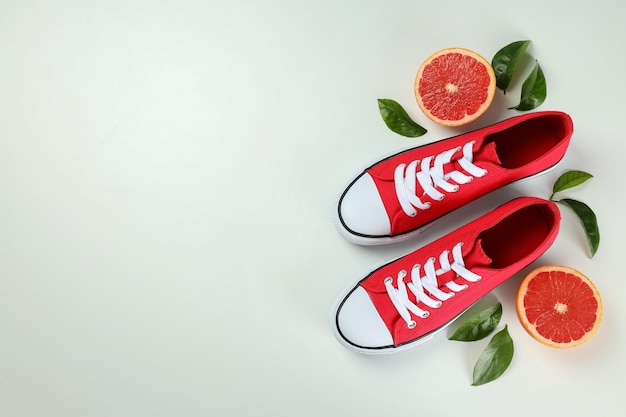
359, 323
362, 210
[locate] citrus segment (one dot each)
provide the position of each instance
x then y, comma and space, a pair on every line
455, 86
559, 306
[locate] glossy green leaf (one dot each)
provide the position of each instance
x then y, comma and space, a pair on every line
588, 220
495, 359
505, 62
397, 119
570, 179
479, 325
533, 90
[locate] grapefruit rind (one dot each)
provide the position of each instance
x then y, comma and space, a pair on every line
467, 118
531, 328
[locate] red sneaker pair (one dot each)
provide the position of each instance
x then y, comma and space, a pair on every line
409, 299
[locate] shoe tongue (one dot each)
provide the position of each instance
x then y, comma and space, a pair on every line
487, 153
476, 257
484, 155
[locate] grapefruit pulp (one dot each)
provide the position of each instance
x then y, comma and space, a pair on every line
559, 306
455, 86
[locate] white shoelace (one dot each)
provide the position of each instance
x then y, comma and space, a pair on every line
399, 295
430, 177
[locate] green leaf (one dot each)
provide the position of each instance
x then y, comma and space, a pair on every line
588, 220
495, 359
397, 119
533, 90
505, 62
479, 326
570, 179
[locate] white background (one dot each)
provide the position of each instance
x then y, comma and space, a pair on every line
168, 171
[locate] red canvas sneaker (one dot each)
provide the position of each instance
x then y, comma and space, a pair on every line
395, 198
408, 300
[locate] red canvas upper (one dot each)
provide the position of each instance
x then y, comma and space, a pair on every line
494, 247
510, 150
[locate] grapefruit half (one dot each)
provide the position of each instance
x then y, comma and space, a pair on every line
455, 86
559, 306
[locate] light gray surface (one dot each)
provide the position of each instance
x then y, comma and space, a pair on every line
167, 175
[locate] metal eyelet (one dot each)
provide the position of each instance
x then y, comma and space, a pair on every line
388, 280
411, 324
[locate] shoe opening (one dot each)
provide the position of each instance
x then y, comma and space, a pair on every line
523, 143
518, 235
